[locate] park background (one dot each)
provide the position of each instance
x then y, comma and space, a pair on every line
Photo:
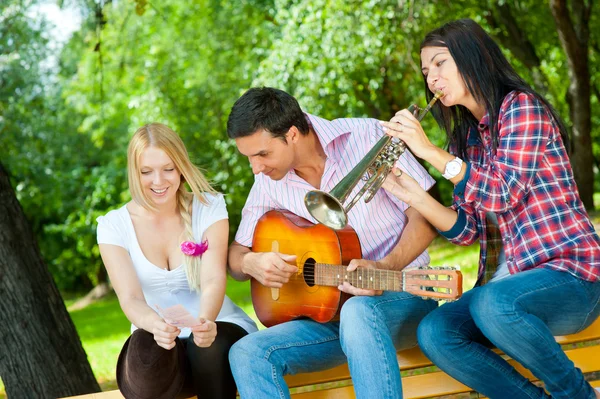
78, 77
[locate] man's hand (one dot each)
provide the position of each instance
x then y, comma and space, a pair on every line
165, 334
271, 269
350, 289
204, 333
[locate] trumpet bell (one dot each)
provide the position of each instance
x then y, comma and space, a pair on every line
326, 209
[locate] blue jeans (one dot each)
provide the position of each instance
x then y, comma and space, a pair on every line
519, 314
367, 336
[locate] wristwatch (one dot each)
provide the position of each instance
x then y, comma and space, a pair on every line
453, 168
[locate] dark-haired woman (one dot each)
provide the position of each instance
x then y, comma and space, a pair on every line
514, 192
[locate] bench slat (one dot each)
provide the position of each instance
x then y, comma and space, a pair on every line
413, 358
100, 395
407, 360
423, 385
590, 333
428, 385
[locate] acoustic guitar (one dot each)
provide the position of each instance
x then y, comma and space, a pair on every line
321, 254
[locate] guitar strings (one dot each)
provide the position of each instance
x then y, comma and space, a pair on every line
331, 274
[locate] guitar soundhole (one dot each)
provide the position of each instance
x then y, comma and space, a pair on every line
309, 272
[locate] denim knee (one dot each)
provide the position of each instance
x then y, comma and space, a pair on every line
433, 333
357, 308
243, 354
358, 314
492, 308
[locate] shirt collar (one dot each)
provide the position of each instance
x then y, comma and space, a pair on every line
326, 131
484, 122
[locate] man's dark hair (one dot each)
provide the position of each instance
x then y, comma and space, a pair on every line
265, 108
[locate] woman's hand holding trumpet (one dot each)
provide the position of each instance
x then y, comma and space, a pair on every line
407, 128
402, 186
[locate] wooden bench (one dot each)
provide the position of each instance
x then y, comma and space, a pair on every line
420, 379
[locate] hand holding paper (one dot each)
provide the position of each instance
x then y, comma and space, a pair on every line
205, 333
178, 316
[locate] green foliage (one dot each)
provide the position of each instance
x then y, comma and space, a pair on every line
345, 58
64, 130
47, 159
176, 65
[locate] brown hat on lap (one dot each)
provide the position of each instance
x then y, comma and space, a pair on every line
145, 370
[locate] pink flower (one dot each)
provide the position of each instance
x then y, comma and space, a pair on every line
190, 248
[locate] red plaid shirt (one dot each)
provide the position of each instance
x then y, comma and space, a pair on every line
529, 184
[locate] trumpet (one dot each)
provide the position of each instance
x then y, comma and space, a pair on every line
329, 209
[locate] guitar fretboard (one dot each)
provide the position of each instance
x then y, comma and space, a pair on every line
372, 279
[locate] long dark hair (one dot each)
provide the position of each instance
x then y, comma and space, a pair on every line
488, 76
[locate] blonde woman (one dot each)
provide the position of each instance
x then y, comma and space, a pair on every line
167, 249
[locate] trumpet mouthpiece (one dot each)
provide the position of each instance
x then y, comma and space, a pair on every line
439, 94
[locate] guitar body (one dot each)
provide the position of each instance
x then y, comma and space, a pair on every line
284, 232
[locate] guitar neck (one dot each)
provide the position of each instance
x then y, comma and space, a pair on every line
372, 279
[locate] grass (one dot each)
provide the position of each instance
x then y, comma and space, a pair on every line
103, 329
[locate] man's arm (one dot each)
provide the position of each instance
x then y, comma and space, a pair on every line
416, 237
236, 259
271, 269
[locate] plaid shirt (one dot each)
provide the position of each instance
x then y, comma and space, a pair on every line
529, 184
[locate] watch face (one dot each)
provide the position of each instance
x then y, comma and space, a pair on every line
453, 168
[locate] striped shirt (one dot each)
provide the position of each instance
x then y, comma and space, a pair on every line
528, 183
378, 224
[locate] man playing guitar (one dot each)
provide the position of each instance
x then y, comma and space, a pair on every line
291, 153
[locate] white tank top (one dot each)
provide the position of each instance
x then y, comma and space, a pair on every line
167, 288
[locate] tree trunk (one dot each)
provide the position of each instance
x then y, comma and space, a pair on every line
101, 290
574, 38
41, 354
513, 37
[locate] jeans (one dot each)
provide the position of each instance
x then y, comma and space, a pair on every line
520, 315
367, 336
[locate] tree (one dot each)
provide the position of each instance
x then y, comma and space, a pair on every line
518, 26
370, 69
185, 63
573, 24
41, 353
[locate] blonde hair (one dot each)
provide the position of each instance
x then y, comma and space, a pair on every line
162, 137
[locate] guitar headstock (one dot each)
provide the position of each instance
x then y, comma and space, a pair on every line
439, 283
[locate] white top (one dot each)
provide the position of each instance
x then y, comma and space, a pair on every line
167, 288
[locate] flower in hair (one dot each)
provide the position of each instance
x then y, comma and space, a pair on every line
190, 248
